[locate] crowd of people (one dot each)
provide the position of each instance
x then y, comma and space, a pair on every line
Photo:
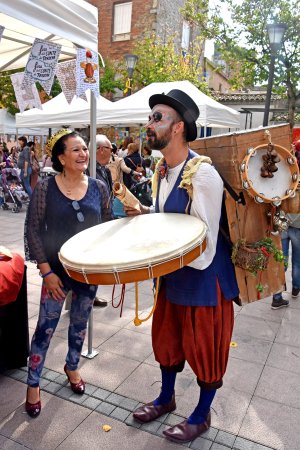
193, 319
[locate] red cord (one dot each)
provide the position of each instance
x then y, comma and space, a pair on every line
122, 297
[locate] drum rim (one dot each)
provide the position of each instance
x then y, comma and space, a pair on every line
141, 264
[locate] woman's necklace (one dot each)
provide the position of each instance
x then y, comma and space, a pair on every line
68, 189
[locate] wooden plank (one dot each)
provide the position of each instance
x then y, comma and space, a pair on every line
248, 222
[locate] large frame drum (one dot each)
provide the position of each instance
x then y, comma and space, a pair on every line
134, 248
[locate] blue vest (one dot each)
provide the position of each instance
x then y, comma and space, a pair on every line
193, 287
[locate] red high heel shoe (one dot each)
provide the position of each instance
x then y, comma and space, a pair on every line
79, 387
33, 409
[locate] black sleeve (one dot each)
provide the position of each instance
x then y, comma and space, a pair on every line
35, 224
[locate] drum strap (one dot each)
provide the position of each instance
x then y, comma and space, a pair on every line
239, 198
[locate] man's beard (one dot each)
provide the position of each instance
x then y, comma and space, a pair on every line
158, 143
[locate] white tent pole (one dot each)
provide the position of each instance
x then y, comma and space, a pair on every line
90, 352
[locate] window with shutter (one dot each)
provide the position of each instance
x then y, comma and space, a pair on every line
122, 21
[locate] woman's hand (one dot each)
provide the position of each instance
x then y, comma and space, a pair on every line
142, 209
54, 286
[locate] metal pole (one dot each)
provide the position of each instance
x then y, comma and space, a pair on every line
90, 353
269, 90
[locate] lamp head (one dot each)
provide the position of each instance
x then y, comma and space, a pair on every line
276, 32
131, 61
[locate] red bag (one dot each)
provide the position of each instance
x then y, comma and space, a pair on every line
11, 277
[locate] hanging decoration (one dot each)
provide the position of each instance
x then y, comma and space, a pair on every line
87, 72
41, 64
66, 74
27, 96
1, 31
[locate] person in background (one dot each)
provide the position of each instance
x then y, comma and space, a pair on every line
13, 157
193, 319
134, 161
147, 154
117, 166
2, 157
24, 164
103, 154
61, 207
46, 160
148, 170
35, 166
124, 147
290, 237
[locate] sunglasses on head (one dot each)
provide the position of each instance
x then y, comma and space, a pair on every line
76, 207
156, 117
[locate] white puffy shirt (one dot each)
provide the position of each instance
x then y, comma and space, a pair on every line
206, 204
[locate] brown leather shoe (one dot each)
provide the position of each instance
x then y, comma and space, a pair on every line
185, 432
150, 412
99, 303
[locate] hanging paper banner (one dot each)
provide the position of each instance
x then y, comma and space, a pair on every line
41, 64
1, 31
26, 96
87, 72
66, 74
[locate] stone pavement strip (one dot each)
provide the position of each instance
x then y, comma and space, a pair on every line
258, 407
121, 408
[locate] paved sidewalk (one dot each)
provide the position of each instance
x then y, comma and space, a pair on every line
258, 407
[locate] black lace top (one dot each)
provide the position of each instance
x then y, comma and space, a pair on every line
51, 219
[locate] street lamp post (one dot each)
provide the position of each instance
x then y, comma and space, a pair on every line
276, 32
131, 61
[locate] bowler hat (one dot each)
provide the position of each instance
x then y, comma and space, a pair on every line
184, 105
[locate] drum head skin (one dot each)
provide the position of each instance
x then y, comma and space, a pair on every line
133, 243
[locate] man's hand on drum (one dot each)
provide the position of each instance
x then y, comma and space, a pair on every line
136, 212
54, 287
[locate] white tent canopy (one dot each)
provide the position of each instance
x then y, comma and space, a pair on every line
74, 21
58, 112
134, 110
8, 126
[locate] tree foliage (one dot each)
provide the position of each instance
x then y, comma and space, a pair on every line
160, 61
108, 80
244, 44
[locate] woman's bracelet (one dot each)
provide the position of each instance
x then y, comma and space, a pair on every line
46, 274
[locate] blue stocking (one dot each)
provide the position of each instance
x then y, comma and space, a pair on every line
200, 413
167, 387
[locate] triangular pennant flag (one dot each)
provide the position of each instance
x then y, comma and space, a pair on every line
66, 75
87, 72
41, 64
27, 96
1, 31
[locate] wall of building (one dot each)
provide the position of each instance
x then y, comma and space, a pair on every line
169, 19
143, 18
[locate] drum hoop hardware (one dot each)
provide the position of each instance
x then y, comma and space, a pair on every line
116, 275
85, 276
150, 271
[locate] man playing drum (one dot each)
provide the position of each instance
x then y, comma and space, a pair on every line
193, 319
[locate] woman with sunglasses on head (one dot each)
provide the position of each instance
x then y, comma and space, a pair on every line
61, 207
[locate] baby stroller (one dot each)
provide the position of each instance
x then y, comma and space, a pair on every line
142, 191
12, 190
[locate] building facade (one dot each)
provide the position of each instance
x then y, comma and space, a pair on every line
122, 23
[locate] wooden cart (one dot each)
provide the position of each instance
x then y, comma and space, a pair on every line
249, 221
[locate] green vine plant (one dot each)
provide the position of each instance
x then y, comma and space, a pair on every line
255, 257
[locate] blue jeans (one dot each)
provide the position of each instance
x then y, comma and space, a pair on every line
26, 181
292, 235
50, 310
